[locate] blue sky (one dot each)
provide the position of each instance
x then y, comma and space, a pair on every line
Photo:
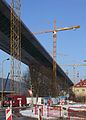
38, 15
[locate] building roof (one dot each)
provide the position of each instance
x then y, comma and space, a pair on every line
82, 83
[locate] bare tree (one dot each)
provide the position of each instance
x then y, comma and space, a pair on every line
26, 81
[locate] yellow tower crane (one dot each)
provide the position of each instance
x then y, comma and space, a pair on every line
15, 44
54, 31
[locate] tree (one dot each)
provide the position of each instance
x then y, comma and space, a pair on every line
27, 81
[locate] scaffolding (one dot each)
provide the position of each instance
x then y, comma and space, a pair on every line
15, 44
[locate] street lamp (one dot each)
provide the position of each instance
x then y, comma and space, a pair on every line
2, 77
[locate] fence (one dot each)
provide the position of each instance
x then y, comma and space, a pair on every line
54, 111
48, 111
77, 113
71, 113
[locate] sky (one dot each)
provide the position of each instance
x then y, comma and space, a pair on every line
39, 15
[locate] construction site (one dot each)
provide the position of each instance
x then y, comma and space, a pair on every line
45, 91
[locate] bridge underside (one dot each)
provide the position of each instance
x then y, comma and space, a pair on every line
33, 55
42, 81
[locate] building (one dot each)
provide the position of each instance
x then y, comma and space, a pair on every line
79, 90
6, 87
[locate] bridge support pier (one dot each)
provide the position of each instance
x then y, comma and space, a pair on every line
40, 79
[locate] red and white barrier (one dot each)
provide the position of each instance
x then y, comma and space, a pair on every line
10, 103
45, 110
20, 103
8, 114
48, 111
62, 102
40, 113
36, 109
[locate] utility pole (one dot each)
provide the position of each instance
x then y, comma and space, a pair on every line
54, 86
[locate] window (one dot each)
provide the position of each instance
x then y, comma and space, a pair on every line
77, 90
83, 89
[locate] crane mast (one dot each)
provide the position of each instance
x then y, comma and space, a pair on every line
15, 44
54, 86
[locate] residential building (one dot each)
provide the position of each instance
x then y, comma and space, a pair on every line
79, 90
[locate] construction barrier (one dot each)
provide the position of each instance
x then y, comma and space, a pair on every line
45, 110
8, 114
77, 113
48, 111
62, 102
11, 104
40, 113
37, 108
20, 103
54, 111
